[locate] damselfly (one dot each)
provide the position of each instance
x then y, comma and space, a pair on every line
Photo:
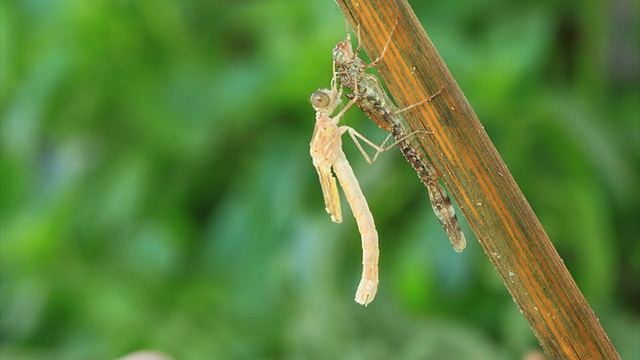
327, 154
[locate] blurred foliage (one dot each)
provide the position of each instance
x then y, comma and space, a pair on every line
157, 190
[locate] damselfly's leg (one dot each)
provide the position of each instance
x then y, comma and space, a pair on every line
384, 49
419, 102
379, 148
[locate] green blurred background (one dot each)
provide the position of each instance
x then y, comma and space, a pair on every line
157, 190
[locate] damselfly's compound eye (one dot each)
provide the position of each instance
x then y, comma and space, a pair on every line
320, 99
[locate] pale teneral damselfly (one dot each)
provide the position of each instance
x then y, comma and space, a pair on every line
327, 155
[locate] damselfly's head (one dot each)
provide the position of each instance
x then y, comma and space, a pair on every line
321, 99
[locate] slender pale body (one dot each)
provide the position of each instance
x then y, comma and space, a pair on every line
327, 154
372, 99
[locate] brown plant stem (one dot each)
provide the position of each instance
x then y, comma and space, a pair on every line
497, 211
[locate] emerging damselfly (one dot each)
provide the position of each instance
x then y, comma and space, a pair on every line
327, 154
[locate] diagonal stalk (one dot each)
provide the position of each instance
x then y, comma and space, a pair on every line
470, 166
